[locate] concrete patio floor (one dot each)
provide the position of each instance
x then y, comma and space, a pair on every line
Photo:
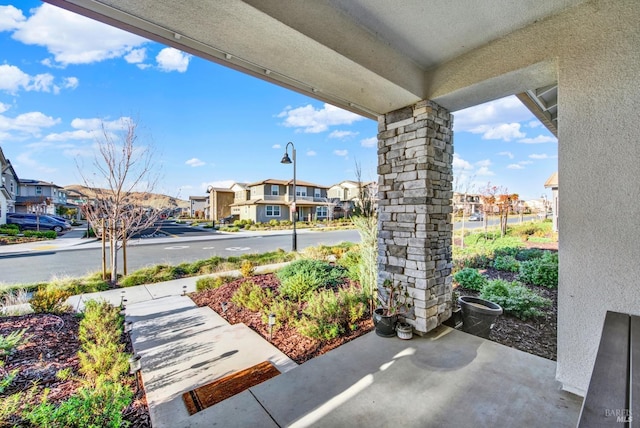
445, 379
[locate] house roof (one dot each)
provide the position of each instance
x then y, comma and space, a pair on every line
220, 189
198, 198
552, 181
31, 182
287, 183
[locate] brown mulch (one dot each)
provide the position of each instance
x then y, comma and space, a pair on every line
286, 338
49, 345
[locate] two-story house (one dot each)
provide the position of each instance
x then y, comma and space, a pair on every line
8, 188
273, 200
219, 202
39, 196
346, 195
197, 206
469, 203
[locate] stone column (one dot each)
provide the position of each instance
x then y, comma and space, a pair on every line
415, 154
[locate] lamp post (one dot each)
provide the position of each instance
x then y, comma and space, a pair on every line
287, 160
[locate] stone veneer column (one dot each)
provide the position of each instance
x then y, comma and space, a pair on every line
415, 154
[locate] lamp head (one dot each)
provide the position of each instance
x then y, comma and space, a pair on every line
285, 158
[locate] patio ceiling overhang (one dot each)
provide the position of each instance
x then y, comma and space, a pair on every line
367, 56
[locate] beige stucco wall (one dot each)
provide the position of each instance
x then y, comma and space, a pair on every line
599, 168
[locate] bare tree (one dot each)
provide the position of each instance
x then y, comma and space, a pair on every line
330, 203
125, 176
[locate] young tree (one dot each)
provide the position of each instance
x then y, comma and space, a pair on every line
125, 175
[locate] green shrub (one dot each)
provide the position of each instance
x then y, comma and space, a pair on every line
7, 379
303, 276
274, 223
514, 298
10, 342
230, 229
505, 251
540, 271
506, 264
49, 234
50, 300
351, 261
253, 297
327, 314
470, 279
91, 407
529, 254
9, 230
285, 311
212, 282
11, 226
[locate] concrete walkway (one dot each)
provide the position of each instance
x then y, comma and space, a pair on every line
448, 378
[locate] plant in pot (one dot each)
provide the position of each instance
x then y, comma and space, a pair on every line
394, 301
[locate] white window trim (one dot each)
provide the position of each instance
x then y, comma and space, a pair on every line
276, 188
301, 191
317, 193
273, 211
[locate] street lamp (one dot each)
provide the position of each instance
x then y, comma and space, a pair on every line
287, 160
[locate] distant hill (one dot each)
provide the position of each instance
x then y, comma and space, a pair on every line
151, 199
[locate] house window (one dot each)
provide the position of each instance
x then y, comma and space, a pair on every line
273, 210
275, 190
301, 191
38, 190
321, 211
317, 193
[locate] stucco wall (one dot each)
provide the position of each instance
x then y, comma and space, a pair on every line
599, 172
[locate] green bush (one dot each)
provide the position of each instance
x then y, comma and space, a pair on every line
9, 342
247, 269
303, 276
529, 254
285, 311
212, 282
506, 264
10, 226
91, 407
49, 234
253, 297
470, 279
9, 230
514, 298
274, 223
351, 261
541, 271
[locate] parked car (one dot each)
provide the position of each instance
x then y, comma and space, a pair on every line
228, 219
35, 222
62, 219
475, 217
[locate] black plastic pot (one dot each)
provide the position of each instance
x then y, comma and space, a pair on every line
385, 324
478, 315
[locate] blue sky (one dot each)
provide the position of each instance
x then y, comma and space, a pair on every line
62, 75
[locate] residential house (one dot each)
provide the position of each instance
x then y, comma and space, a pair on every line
198, 205
552, 183
8, 188
470, 203
219, 203
39, 196
346, 195
273, 200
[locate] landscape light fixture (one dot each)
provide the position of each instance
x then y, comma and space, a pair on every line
272, 322
287, 160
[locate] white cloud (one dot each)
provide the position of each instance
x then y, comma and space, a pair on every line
29, 123
525, 162
342, 153
4, 107
369, 142
515, 166
12, 79
276, 146
534, 124
74, 39
484, 163
461, 164
11, 18
503, 131
507, 154
195, 162
342, 134
170, 59
311, 153
25, 159
314, 121
491, 114
539, 140
73, 135
539, 156
136, 56
484, 171
90, 129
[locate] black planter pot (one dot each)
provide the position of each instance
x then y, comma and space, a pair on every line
478, 315
385, 324
456, 318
